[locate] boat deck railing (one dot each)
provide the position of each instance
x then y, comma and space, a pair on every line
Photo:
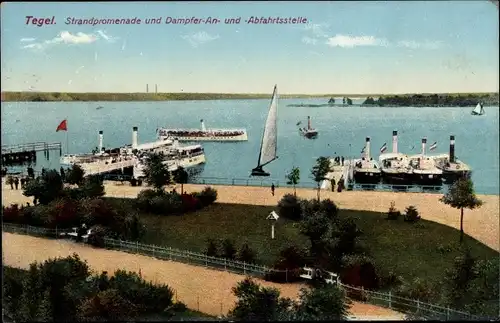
32, 146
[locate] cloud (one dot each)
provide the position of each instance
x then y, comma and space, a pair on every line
200, 38
318, 30
27, 40
65, 37
415, 45
309, 40
346, 41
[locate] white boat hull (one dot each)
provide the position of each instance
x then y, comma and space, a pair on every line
186, 163
242, 137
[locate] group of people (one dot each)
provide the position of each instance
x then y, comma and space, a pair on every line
340, 185
339, 160
15, 181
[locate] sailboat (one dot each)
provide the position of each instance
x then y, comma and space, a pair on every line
268, 145
478, 110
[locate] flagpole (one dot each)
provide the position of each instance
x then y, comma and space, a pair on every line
67, 141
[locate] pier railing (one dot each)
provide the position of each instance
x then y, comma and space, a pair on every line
414, 308
33, 146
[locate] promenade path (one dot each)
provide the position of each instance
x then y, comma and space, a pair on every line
202, 289
482, 224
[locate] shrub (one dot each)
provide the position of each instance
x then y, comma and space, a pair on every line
190, 203
143, 199
289, 207
287, 266
246, 254
178, 307
212, 248
96, 237
63, 213
359, 270
417, 289
12, 214
393, 214
207, 196
329, 208
326, 207
228, 249
411, 214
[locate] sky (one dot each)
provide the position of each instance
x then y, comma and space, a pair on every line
346, 47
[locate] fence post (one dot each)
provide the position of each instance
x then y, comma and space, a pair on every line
390, 299
286, 275
448, 313
418, 305
206, 261
137, 247
232, 181
244, 268
225, 263
121, 244
247, 182
170, 253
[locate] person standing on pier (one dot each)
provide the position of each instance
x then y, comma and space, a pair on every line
332, 184
16, 182
272, 189
23, 181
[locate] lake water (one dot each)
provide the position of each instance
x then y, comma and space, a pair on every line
342, 130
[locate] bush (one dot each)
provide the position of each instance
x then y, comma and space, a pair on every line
63, 214
288, 265
143, 199
207, 196
12, 214
96, 237
212, 248
411, 214
393, 214
417, 289
326, 207
246, 254
190, 203
359, 270
228, 249
289, 207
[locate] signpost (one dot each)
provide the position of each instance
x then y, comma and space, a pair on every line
273, 217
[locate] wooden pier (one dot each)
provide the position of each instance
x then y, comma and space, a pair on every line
26, 153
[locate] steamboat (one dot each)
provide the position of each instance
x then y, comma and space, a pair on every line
203, 134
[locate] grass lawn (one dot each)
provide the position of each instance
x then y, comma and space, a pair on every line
424, 249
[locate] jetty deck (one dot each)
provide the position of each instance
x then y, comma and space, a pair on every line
99, 168
29, 147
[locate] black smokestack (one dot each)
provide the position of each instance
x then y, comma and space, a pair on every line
452, 149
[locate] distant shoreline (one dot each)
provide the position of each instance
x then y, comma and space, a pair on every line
129, 97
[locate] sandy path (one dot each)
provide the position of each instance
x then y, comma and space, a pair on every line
202, 289
482, 224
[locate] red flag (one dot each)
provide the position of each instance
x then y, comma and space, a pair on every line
62, 126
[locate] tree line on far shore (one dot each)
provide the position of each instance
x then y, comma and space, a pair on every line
434, 100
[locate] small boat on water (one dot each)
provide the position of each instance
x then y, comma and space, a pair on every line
367, 170
478, 110
424, 170
203, 134
308, 132
99, 107
452, 168
268, 145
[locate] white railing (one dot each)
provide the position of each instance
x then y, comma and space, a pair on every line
389, 300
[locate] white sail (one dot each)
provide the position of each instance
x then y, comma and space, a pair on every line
269, 146
478, 109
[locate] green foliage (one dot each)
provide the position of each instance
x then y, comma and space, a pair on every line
461, 196
326, 303
97, 235
75, 175
228, 249
439, 100
45, 188
417, 289
291, 259
246, 254
293, 178
212, 248
256, 303
107, 305
207, 196
92, 186
289, 207
181, 176
326, 207
411, 214
459, 278
156, 173
319, 171
393, 213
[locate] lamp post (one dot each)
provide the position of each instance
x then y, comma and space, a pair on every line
273, 217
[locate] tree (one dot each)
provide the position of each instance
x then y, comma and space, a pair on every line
319, 171
246, 254
256, 303
92, 186
461, 196
348, 101
156, 173
75, 175
293, 178
327, 302
45, 188
315, 226
107, 305
228, 249
181, 177
459, 278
